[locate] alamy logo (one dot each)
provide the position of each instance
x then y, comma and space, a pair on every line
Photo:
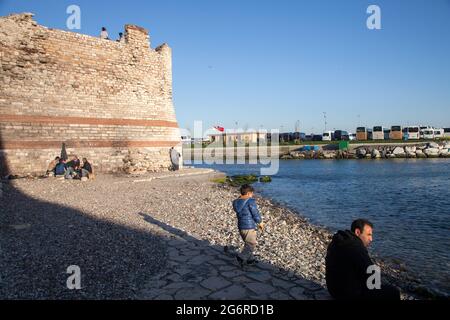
374, 20
74, 281
74, 20
374, 280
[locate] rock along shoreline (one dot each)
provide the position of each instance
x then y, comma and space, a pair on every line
419, 151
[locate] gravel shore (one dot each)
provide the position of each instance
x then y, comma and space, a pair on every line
103, 226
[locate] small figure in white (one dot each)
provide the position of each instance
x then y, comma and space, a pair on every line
104, 34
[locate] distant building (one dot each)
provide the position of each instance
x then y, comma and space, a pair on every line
236, 136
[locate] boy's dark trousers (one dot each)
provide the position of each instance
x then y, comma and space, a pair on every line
249, 237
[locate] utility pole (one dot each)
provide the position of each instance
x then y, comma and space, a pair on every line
297, 126
325, 120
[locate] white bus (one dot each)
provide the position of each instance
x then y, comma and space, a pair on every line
414, 133
327, 136
428, 134
378, 133
438, 133
422, 129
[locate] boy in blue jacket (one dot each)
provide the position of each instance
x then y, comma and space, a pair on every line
249, 219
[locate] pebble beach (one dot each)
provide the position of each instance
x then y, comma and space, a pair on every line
154, 237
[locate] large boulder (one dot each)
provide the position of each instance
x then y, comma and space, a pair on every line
399, 152
410, 149
433, 145
376, 154
420, 154
391, 156
444, 153
329, 155
361, 153
295, 154
432, 152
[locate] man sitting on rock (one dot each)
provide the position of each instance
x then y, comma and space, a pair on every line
51, 167
348, 266
248, 218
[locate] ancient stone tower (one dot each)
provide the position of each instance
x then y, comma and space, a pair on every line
108, 101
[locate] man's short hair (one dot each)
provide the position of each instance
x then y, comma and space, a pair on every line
360, 224
246, 188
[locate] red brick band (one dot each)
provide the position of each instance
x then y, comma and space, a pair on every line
92, 121
11, 145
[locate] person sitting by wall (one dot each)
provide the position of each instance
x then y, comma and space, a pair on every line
73, 168
61, 168
104, 34
121, 38
74, 162
51, 167
348, 266
87, 171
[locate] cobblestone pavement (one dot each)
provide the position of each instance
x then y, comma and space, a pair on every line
199, 271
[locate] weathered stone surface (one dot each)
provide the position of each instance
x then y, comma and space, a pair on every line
282, 284
260, 288
192, 294
398, 151
259, 276
182, 271
322, 295
235, 292
232, 273
376, 154
279, 296
179, 285
198, 260
298, 293
215, 283
309, 285
164, 297
420, 154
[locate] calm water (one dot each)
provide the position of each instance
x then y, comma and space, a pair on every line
407, 200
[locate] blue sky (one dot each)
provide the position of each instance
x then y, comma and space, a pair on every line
270, 63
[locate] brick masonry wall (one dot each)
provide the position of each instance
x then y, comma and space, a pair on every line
106, 100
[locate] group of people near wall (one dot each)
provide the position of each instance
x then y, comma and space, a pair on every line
72, 169
104, 35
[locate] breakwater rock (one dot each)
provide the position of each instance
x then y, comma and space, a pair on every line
429, 150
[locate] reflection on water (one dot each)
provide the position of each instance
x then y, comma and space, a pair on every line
408, 201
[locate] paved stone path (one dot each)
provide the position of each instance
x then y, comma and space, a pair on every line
198, 271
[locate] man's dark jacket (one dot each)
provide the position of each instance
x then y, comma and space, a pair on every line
347, 261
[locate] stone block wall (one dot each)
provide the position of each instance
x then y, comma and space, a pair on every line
104, 99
